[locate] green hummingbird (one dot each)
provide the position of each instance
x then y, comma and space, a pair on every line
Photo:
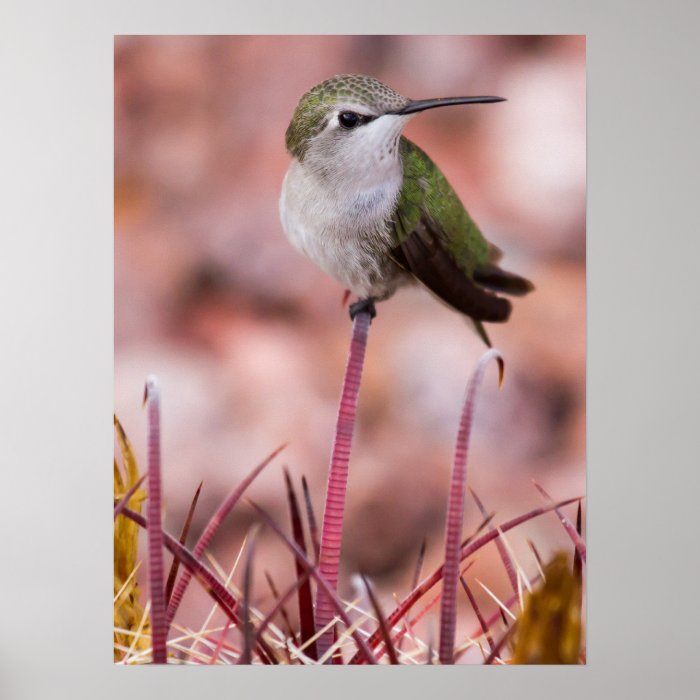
373, 211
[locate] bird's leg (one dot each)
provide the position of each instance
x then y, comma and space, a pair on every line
363, 305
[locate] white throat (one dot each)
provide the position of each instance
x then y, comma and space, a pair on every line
363, 159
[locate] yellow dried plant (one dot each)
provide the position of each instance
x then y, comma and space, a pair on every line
549, 628
132, 629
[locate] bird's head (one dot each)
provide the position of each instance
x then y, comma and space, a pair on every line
351, 124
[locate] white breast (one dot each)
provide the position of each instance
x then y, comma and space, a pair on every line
343, 229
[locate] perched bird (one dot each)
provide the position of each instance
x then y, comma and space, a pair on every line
372, 210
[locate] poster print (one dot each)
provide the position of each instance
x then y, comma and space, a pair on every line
323, 272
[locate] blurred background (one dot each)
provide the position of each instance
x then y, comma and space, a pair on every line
249, 339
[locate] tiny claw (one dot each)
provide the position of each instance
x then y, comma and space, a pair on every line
363, 305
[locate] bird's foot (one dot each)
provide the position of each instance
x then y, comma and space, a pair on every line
366, 305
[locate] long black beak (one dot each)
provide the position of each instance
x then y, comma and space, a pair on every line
419, 105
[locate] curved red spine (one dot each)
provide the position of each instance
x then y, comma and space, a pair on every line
332, 531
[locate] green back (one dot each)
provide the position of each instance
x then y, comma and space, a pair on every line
427, 196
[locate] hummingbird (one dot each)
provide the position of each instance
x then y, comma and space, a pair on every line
373, 211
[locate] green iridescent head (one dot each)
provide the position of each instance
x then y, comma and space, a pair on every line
358, 95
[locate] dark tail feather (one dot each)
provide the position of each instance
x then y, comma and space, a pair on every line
423, 255
493, 277
482, 332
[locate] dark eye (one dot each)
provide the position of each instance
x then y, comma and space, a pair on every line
349, 120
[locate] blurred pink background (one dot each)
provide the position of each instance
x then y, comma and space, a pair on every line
249, 339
